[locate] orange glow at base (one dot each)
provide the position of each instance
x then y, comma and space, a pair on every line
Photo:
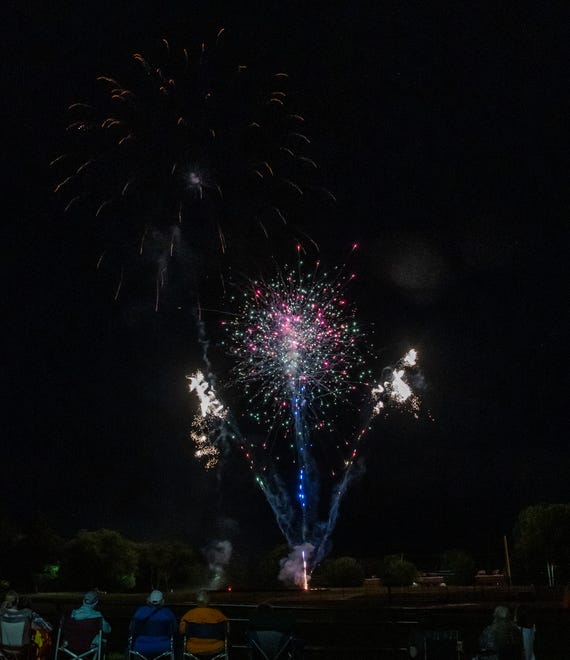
305, 578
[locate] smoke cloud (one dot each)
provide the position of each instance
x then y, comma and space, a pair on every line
293, 567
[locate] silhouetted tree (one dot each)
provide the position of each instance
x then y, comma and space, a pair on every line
541, 536
397, 571
342, 572
461, 566
102, 559
270, 565
167, 564
34, 555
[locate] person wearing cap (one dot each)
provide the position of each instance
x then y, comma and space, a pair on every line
202, 613
154, 610
89, 610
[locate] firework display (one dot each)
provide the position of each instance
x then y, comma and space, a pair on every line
206, 425
186, 149
188, 153
300, 362
297, 348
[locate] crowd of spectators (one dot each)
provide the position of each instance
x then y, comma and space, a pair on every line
507, 637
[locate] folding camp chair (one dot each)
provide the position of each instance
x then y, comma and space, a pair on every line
270, 645
79, 638
15, 641
151, 628
217, 631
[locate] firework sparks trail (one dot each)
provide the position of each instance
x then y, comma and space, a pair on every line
305, 577
296, 344
298, 352
207, 426
395, 392
395, 389
183, 139
293, 568
296, 347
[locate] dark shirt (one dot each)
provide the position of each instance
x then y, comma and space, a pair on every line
504, 639
270, 619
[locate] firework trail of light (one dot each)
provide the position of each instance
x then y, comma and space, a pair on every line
395, 391
297, 353
182, 139
207, 425
298, 357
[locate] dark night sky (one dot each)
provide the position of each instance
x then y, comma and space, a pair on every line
440, 132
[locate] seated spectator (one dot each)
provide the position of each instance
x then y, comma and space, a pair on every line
202, 613
89, 610
502, 638
154, 610
40, 637
10, 610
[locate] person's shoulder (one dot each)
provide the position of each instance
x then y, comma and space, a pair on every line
17, 615
140, 611
167, 613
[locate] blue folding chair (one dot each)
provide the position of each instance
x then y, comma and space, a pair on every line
150, 639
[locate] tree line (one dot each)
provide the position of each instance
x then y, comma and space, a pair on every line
37, 558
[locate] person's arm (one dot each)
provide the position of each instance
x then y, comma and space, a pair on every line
39, 623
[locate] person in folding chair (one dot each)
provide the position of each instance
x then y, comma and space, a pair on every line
23, 632
152, 629
89, 609
79, 639
270, 635
205, 631
502, 639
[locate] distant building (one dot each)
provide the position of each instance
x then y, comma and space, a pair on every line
429, 580
495, 578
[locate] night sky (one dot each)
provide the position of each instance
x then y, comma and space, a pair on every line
440, 132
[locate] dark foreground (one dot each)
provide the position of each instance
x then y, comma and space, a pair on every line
352, 624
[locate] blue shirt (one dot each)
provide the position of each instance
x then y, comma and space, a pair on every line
153, 645
89, 612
